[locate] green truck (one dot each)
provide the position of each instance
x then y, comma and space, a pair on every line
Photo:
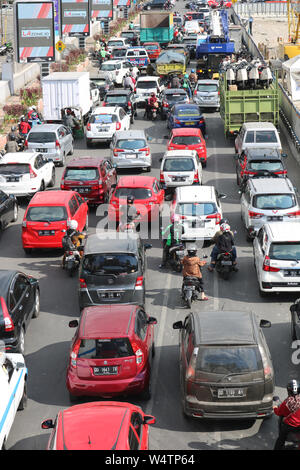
156, 26
237, 107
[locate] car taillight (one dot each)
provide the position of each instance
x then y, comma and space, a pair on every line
32, 173
176, 121
267, 267
161, 177
146, 149
74, 353
129, 104
190, 373
100, 183
139, 355
116, 151
8, 323
254, 215
216, 216
293, 214
165, 104
201, 121
104, 103
139, 282
62, 184
82, 283
118, 126
88, 126
57, 144
26, 143
268, 371
195, 92
196, 177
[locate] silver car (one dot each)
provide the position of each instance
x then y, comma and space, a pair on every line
55, 141
130, 149
206, 94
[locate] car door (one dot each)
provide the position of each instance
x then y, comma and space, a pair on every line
21, 298
245, 202
111, 175
41, 169
144, 332
6, 209
184, 359
259, 252
9, 394
134, 431
80, 211
124, 120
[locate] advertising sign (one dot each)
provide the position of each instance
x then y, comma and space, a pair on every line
102, 9
75, 17
35, 32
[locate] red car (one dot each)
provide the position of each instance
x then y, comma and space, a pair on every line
47, 215
100, 425
111, 352
90, 176
153, 49
189, 139
148, 194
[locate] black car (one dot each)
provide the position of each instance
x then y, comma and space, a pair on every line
112, 270
8, 209
171, 96
295, 321
191, 43
123, 98
19, 302
132, 37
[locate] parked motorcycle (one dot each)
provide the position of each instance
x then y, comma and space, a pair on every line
292, 441
253, 74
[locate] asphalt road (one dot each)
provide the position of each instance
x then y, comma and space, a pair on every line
48, 337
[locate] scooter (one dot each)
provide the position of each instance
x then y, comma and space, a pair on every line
241, 77
189, 290
292, 441
224, 265
72, 261
176, 254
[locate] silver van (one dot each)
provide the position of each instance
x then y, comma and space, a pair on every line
206, 94
130, 149
257, 134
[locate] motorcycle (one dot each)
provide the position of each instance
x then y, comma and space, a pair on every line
6, 48
189, 290
176, 253
72, 261
224, 265
292, 441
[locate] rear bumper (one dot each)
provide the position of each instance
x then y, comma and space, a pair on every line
280, 286
134, 297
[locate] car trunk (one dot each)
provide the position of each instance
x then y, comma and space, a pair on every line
199, 219
84, 180
176, 176
12, 174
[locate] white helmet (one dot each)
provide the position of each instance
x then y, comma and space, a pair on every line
73, 224
225, 228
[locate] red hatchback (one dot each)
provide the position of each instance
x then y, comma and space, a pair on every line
148, 194
189, 139
153, 49
100, 425
91, 177
47, 215
111, 352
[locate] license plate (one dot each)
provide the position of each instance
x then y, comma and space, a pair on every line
190, 123
109, 295
231, 392
130, 155
42, 150
12, 180
102, 129
293, 284
226, 263
190, 287
106, 370
196, 224
275, 217
83, 190
178, 178
46, 233
291, 272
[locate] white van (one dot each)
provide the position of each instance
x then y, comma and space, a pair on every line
192, 27
257, 134
13, 391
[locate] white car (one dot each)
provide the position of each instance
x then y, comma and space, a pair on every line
116, 70
13, 391
276, 251
145, 85
180, 168
256, 135
117, 42
25, 173
104, 122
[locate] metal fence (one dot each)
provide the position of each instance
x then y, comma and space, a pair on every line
268, 9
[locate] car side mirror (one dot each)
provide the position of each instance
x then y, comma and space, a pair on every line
177, 325
47, 424
147, 246
222, 196
20, 365
148, 419
265, 324
152, 321
284, 155
113, 186
73, 323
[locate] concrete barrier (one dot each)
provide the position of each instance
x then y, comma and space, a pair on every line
4, 91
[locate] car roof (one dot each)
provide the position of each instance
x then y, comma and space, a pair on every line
186, 131
125, 91
282, 231
262, 152
180, 153
85, 161
186, 106
99, 321
258, 125
274, 185
45, 127
147, 78
136, 181
131, 134
56, 198
18, 157
195, 193
221, 327
98, 243
105, 109
171, 91
210, 82
95, 425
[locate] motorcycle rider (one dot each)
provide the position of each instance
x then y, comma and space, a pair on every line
24, 127
70, 120
72, 240
192, 267
14, 133
224, 242
151, 104
128, 213
186, 85
11, 145
128, 82
193, 77
175, 82
150, 69
290, 412
171, 236
34, 119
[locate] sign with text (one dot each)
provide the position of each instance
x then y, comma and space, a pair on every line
35, 33
101, 9
75, 17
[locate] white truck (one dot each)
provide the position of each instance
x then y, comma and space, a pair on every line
66, 89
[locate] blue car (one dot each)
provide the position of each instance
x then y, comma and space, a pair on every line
186, 115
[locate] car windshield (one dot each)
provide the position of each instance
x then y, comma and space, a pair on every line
179, 164
41, 137
81, 174
187, 112
131, 144
138, 193
14, 168
207, 87
145, 85
266, 165
285, 251
108, 67
186, 140
102, 118
228, 360
116, 99
174, 98
46, 213
110, 263
105, 348
99, 82
274, 201
196, 208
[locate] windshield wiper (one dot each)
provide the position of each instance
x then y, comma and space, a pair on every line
231, 374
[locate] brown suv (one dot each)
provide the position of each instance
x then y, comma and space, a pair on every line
226, 370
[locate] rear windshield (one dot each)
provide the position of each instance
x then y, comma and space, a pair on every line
115, 43
14, 168
105, 348
110, 263
81, 174
99, 82
41, 137
266, 165
46, 213
138, 193
186, 140
196, 208
228, 360
128, 34
151, 47
146, 84
285, 251
131, 144
208, 87
274, 201
174, 98
187, 112
119, 53
108, 67
179, 164
116, 99
102, 118
261, 137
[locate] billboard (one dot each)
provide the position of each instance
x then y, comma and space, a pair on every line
35, 32
102, 9
75, 17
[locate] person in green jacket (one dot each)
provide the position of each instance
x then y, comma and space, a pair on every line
171, 236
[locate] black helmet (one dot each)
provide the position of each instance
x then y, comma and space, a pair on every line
192, 250
130, 199
224, 221
293, 387
12, 137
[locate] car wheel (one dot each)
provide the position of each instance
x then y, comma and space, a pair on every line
42, 187
132, 119
36, 310
63, 161
24, 399
52, 181
21, 347
16, 211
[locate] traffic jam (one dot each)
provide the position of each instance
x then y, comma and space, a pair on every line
144, 203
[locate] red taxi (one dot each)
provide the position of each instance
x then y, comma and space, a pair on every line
189, 139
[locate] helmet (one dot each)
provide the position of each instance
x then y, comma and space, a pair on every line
152, 94
33, 107
192, 250
22, 119
225, 228
293, 387
224, 221
13, 128
12, 137
34, 115
130, 199
73, 224
193, 71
